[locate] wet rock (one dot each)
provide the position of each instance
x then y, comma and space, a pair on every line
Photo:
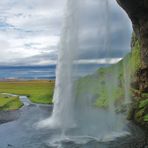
7, 116
9, 145
137, 10
138, 13
142, 76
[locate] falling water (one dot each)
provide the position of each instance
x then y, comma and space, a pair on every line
127, 80
63, 111
76, 115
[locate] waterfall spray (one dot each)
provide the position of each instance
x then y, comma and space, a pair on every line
63, 111
76, 115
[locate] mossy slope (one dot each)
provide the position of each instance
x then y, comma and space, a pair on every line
110, 83
114, 84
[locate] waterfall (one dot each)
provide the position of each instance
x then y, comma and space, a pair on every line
63, 111
77, 115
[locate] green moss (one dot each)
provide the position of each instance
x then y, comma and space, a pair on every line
141, 111
101, 103
139, 115
146, 118
98, 82
113, 80
145, 95
102, 100
135, 57
143, 103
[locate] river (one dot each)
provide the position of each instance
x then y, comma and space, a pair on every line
21, 132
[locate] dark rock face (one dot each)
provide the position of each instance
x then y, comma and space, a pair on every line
138, 13
140, 81
142, 75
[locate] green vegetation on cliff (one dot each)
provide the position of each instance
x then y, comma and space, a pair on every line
141, 110
112, 83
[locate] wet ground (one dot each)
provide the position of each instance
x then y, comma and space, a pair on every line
18, 130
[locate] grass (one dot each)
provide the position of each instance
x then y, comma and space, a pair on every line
143, 103
143, 106
9, 102
146, 118
107, 84
101, 86
112, 81
115, 81
38, 91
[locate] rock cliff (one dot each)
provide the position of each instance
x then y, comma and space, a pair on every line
137, 11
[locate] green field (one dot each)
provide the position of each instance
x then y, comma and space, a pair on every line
9, 103
38, 91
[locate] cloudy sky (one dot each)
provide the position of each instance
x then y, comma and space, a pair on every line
30, 31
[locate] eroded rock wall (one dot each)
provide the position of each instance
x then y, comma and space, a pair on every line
137, 11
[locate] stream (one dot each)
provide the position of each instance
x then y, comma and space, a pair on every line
21, 132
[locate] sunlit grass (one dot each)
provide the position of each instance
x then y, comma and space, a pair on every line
38, 91
9, 102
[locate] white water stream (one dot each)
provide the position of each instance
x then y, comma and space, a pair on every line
79, 118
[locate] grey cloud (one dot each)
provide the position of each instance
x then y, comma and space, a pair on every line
33, 60
92, 28
96, 54
93, 32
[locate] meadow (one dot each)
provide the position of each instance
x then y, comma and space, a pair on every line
38, 91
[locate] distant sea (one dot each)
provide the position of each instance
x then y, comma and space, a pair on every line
40, 72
